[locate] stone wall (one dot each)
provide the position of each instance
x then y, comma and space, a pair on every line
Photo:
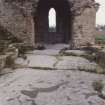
17, 17
84, 27
14, 19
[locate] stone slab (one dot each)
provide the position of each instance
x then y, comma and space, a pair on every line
75, 52
38, 87
57, 46
21, 61
75, 63
41, 61
51, 52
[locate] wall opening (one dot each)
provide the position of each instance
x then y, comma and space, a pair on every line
53, 29
52, 20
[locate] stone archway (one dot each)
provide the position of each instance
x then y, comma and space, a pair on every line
63, 22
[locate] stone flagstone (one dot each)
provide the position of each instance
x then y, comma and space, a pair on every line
50, 52
39, 87
41, 61
75, 63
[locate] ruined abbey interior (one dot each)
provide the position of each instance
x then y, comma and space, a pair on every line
28, 20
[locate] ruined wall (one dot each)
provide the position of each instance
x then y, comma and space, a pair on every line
17, 17
84, 23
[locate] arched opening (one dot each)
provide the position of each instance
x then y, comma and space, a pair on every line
52, 20
53, 29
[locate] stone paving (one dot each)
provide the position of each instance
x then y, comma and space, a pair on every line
41, 61
48, 78
39, 87
75, 52
50, 52
52, 59
75, 63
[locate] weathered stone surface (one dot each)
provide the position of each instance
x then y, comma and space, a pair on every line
52, 59
21, 62
38, 59
75, 52
57, 46
13, 55
50, 52
6, 71
50, 49
41, 61
35, 87
75, 63
5, 59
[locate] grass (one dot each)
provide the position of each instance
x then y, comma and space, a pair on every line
58, 57
98, 86
100, 37
99, 58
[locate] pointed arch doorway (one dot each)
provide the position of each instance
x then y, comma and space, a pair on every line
53, 29
52, 20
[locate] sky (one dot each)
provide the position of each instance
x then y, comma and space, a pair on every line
100, 16
52, 17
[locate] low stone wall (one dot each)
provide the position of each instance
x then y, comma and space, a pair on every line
100, 42
7, 58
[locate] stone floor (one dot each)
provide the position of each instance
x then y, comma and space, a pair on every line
52, 59
39, 87
48, 78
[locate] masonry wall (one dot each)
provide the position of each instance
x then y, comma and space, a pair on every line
16, 21
84, 28
18, 18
